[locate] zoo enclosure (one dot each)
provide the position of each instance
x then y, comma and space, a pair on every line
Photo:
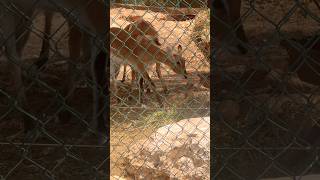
67, 149
175, 26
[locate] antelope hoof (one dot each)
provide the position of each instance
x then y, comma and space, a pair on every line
161, 104
143, 105
165, 90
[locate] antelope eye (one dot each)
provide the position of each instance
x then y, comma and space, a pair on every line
178, 63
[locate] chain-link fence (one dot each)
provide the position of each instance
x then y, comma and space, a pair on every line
265, 79
54, 97
48, 126
264, 89
163, 68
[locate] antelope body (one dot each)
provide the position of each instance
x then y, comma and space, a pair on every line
138, 27
142, 52
227, 16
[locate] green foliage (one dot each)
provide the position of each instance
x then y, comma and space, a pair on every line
159, 118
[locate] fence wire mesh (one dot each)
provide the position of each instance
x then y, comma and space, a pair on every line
48, 123
167, 40
46, 130
265, 80
265, 90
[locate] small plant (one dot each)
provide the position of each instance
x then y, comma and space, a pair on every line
159, 118
175, 3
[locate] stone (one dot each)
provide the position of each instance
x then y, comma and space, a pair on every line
116, 178
175, 151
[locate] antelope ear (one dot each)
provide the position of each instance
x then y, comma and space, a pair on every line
179, 48
156, 40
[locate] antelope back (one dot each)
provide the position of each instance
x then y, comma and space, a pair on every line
141, 27
143, 51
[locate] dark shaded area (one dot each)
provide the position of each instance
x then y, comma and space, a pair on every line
266, 102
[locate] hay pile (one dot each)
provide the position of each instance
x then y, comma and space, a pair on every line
201, 32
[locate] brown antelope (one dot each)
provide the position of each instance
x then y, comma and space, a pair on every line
176, 52
141, 52
137, 30
44, 54
140, 27
227, 16
89, 15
